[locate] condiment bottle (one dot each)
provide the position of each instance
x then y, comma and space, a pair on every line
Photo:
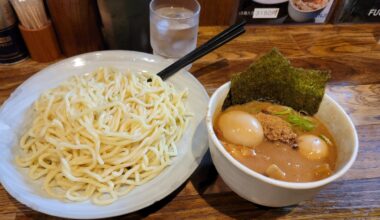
12, 48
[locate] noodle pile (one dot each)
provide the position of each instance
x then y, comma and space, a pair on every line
99, 135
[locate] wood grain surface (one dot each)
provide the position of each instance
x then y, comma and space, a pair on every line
76, 23
352, 52
221, 12
42, 44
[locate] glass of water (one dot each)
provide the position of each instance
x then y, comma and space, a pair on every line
173, 27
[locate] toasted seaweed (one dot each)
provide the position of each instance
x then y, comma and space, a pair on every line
228, 101
272, 78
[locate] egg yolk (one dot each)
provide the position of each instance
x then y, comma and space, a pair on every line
312, 147
240, 128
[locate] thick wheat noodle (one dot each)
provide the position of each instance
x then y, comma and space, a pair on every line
99, 135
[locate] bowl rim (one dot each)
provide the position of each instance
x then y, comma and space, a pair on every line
272, 2
291, 3
196, 12
274, 182
31, 198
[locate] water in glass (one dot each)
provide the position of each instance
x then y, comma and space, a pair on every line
173, 31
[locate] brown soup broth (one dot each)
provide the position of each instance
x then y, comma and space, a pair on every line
296, 167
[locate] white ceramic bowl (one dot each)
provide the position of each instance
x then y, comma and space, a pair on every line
265, 191
269, 2
14, 117
303, 16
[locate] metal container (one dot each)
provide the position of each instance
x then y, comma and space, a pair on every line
12, 48
126, 24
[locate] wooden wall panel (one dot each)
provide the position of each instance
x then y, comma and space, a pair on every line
218, 12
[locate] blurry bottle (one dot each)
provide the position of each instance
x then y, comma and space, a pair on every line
12, 48
126, 24
77, 25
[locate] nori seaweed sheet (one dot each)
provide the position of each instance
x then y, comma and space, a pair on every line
272, 78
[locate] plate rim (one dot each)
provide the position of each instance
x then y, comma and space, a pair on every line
195, 163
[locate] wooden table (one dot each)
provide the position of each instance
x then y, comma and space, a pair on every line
352, 52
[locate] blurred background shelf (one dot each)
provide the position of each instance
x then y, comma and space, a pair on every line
352, 52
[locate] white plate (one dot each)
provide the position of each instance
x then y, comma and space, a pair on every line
13, 117
270, 2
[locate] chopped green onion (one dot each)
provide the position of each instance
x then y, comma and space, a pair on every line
301, 122
275, 110
325, 139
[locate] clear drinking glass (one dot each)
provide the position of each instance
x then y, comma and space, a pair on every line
173, 27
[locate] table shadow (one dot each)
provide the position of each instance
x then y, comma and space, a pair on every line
145, 212
229, 203
215, 65
204, 177
28, 213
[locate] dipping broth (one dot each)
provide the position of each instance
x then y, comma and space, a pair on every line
277, 141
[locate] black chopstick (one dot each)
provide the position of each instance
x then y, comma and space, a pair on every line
217, 41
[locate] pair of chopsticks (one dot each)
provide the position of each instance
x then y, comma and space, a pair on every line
214, 43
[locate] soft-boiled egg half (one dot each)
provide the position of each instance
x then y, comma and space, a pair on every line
312, 147
240, 128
